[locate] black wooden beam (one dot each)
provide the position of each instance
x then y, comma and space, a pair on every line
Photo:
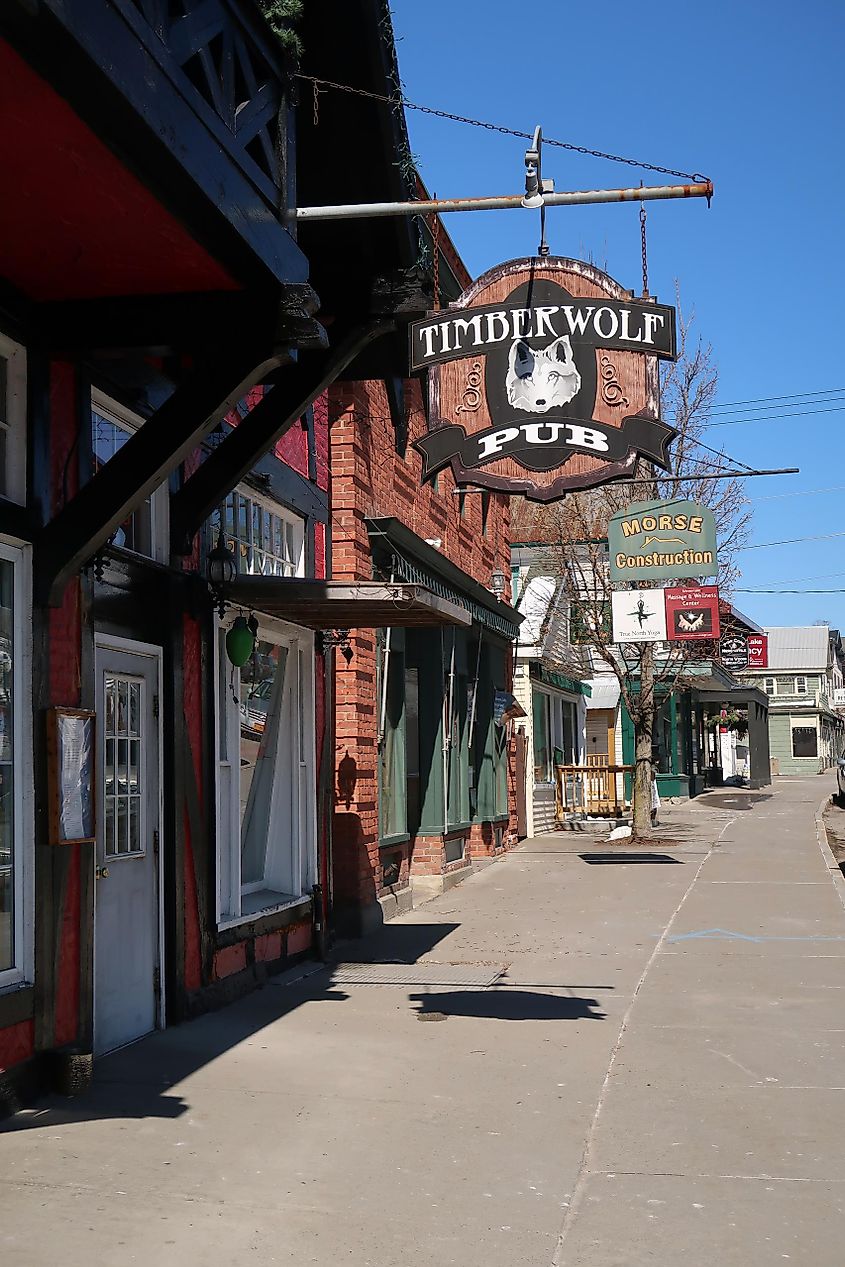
85, 524
283, 406
122, 88
167, 323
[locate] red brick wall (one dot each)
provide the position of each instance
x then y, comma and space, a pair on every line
369, 478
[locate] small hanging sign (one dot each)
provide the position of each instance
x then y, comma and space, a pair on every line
662, 540
692, 613
638, 615
733, 652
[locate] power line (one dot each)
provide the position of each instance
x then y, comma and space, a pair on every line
739, 405
791, 541
802, 492
741, 422
398, 99
742, 590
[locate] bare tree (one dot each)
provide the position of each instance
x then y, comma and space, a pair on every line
576, 531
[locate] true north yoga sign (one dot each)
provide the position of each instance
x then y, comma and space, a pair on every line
543, 378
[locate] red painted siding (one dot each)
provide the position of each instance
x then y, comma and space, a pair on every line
17, 1043
80, 224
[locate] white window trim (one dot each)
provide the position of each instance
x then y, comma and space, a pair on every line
774, 683
801, 677
227, 712
296, 521
804, 723
13, 486
131, 422
22, 972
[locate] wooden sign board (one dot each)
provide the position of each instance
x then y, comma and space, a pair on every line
543, 379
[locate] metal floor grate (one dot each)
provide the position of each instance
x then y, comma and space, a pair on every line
420, 974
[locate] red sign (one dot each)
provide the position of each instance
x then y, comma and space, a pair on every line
692, 613
758, 651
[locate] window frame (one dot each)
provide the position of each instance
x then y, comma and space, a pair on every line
242, 549
159, 499
21, 972
13, 487
801, 690
228, 833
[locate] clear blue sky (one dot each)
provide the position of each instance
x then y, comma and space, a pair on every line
749, 93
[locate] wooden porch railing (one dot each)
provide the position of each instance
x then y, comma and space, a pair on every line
596, 788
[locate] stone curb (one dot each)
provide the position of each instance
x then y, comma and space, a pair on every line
827, 853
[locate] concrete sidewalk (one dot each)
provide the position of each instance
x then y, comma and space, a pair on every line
578, 1058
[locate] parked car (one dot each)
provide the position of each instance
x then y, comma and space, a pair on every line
840, 781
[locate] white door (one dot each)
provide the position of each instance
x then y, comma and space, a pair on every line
126, 913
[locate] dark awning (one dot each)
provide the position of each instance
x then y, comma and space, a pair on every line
712, 691
344, 604
400, 552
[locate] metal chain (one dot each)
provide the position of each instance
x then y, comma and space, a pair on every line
399, 100
316, 104
645, 249
435, 237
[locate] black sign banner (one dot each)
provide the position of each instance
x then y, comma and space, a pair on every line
733, 653
547, 444
628, 326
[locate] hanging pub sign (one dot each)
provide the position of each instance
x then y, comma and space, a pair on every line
733, 652
543, 378
638, 616
665, 540
758, 651
692, 613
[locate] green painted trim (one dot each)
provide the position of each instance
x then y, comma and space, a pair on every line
540, 673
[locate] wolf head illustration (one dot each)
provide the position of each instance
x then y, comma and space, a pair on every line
543, 378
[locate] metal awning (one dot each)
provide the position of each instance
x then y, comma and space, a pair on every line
344, 604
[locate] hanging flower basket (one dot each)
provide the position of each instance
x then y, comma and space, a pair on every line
727, 720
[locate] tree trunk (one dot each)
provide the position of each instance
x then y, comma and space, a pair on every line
643, 731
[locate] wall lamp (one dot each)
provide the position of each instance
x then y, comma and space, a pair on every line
220, 571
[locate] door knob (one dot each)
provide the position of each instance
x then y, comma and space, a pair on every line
102, 873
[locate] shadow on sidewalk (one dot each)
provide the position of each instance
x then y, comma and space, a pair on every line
507, 1005
136, 1082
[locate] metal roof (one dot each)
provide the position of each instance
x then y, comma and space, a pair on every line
605, 692
799, 647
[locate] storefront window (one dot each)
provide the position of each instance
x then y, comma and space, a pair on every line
7, 767
805, 741
15, 770
542, 762
393, 802
455, 703
266, 793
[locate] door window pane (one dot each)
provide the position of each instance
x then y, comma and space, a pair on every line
7, 769
123, 776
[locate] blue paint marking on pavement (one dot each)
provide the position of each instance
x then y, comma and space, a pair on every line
726, 934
